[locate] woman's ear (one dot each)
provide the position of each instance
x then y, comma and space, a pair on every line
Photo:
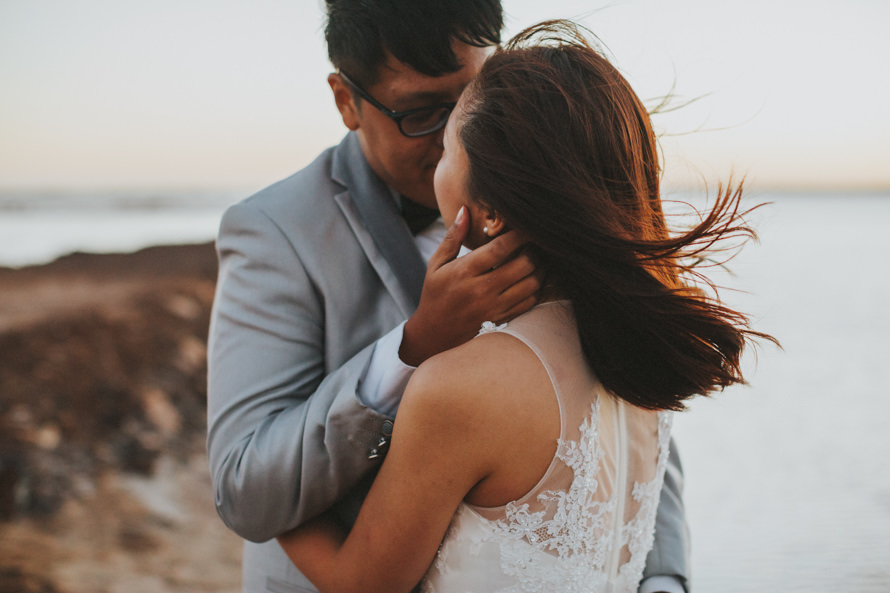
493, 223
344, 100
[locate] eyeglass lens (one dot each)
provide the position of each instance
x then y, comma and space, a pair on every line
425, 122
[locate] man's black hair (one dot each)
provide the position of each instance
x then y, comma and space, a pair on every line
416, 32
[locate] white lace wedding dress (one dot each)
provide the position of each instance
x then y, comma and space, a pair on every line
589, 523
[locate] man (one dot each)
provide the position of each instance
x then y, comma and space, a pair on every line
324, 304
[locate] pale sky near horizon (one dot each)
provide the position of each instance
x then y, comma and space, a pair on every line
232, 94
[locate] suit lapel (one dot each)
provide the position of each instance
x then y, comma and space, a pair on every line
374, 217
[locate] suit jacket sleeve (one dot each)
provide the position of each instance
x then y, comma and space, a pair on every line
287, 436
670, 553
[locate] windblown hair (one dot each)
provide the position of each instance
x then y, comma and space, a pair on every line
416, 32
560, 145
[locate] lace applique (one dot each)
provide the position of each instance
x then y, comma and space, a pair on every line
440, 563
580, 535
639, 533
578, 541
458, 541
490, 326
577, 533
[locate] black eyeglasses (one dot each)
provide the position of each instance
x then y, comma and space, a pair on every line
414, 122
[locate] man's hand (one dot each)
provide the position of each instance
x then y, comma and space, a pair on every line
495, 282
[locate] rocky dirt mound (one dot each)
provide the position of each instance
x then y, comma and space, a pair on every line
103, 479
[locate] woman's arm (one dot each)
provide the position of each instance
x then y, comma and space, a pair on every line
439, 452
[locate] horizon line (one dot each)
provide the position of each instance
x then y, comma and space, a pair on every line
667, 187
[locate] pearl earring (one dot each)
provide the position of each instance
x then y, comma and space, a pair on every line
485, 230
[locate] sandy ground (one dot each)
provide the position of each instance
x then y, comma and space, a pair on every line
104, 484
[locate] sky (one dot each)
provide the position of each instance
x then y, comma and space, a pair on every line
205, 94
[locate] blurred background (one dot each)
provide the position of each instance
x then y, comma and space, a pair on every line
126, 126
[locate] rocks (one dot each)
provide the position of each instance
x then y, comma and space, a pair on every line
103, 381
14, 580
103, 390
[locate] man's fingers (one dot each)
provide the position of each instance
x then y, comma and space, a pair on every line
511, 272
495, 252
450, 246
529, 286
518, 298
518, 309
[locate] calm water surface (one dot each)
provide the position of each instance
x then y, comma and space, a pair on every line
788, 480
37, 228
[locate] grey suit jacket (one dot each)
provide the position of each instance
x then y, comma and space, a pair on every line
313, 270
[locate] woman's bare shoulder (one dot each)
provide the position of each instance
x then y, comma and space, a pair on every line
496, 395
474, 363
487, 376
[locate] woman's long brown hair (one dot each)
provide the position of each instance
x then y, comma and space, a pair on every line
560, 145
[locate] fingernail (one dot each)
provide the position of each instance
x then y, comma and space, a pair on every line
460, 215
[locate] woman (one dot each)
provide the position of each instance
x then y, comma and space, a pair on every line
537, 450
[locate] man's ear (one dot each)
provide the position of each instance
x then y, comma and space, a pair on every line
345, 102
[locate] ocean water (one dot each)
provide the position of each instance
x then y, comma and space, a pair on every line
788, 478
37, 228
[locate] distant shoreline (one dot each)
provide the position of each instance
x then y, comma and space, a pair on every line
175, 258
81, 282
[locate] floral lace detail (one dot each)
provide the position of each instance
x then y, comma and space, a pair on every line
441, 564
472, 542
589, 526
577, 533
639, 533
571, 552
490, 326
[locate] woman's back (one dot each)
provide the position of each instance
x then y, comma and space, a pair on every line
588, 524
